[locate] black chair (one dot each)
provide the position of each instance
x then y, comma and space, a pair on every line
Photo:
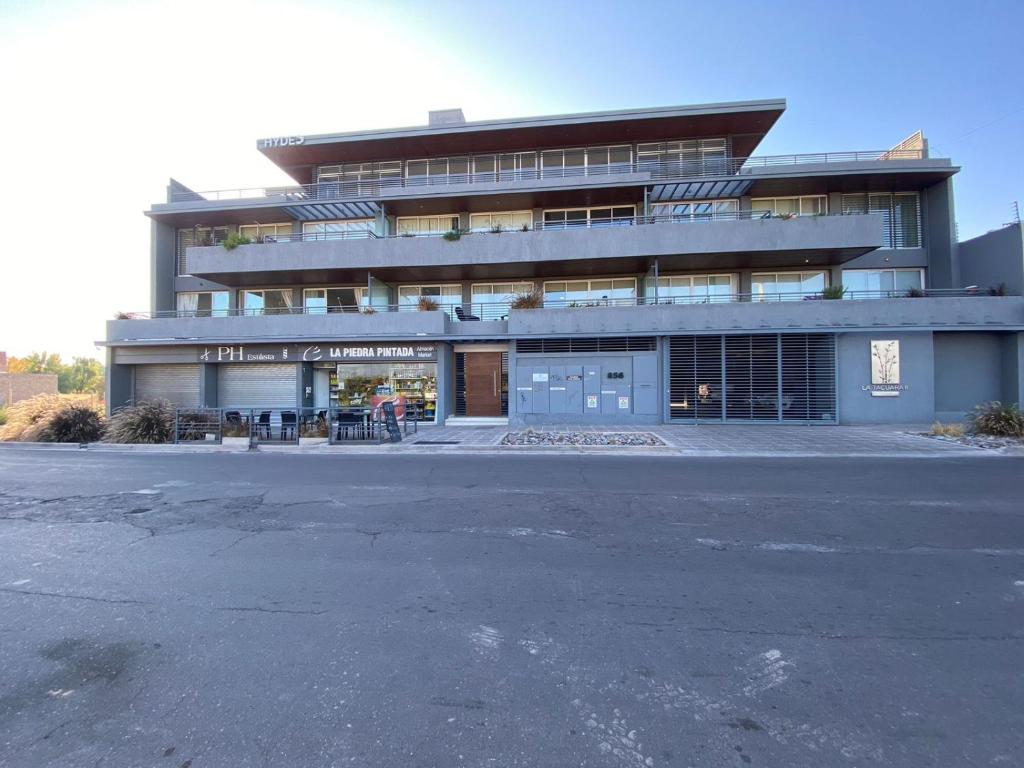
349, 422
463, 317
263, 425
288, 422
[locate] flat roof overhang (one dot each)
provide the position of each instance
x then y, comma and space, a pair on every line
746, 121
703, 262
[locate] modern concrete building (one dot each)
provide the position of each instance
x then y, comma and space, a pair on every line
642, 265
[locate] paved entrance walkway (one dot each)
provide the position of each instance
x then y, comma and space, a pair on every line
696, 440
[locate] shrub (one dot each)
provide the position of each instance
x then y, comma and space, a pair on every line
145, 422
316, 428
915, 293
73, 424
235, 429
947, 430
532, 300
27, 420
994, 418
368, 311
3, 415
452, 235
427, 304
998, 290
234, 240
834, 292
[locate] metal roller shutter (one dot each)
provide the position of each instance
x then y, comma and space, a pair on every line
177, 383
257, 386
760, 377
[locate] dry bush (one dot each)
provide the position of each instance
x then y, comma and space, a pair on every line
145, 422
29, 420
947, 430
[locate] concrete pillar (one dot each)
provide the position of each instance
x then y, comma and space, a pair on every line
208, 396
119, 384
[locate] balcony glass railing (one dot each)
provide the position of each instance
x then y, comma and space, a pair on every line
653, 170
500, 310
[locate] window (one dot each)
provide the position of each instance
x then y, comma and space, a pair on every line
696, 210
427, 225
786, 286
563, 162
357, 172
901, 212
204, 304
695, 289
697, 156
197, 236
808, 205
622, 215
437, 170
447, 296
491, 300
337, 230
320, 301
267, 302
562, 293
508, 166
266, 233
881, 283
506, 220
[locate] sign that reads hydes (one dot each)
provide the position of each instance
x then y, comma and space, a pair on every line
312, 353
282, 141
885, 369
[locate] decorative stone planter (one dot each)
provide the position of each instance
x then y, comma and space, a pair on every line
312, 441
238, 443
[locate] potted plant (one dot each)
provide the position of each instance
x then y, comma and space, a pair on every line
368, 311
235, 434
836, 291
427, 304
915, 293
785, 216
452, 235
524, 228
496, 229
313, 433
234, 240
532, 300
122, 316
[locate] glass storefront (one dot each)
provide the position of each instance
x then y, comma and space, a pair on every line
410, 385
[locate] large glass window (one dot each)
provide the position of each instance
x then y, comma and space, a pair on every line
611, 292
787, 286
501, 221
691, 156
357, 172
320, 301
901, 212
276, 301
881, 283
447, 297
696, 210
266, 233
438, 170
337, 230
203, 303
807, 205
617, 216
411, 386
491, 301
427, 225
695, 289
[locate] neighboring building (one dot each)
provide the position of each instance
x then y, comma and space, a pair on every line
994, 261
15, 387
680, 278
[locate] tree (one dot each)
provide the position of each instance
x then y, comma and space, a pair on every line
83, 375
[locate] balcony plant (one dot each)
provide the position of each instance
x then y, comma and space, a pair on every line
914, 293
532, 300
452, 235
234, 240
496, 229
998, 290
427, 304
368, 311
122, 316
524, 228
836, 291
784, 216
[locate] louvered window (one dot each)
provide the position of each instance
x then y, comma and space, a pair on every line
901, 212
587, 344
762, 377
197, 236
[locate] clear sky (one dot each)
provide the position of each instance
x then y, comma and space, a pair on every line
103, 101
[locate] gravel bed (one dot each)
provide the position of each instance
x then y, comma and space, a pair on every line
990, 442
531, 437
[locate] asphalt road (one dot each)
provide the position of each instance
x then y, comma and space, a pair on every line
274, 610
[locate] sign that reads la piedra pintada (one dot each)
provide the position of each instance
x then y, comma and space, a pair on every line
313, 353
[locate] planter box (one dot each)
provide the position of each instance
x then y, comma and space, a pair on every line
312, 441
235, 442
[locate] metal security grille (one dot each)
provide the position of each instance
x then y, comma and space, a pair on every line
197, 236
587, 345
177, 383
257, 386
901, 212
758, 377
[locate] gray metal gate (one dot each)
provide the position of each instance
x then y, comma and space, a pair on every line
177, 383
244, 385
753, 377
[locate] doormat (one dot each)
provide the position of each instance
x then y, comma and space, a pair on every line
630, 439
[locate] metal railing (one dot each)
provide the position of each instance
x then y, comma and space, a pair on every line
473, 311
652, 169
367, 423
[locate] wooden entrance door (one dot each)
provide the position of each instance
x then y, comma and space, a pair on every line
483, 383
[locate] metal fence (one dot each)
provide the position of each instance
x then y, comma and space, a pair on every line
274, 425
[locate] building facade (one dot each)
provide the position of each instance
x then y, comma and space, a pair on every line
640, 266
15, 387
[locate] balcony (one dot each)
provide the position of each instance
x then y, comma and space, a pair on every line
705, 241
743, 170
